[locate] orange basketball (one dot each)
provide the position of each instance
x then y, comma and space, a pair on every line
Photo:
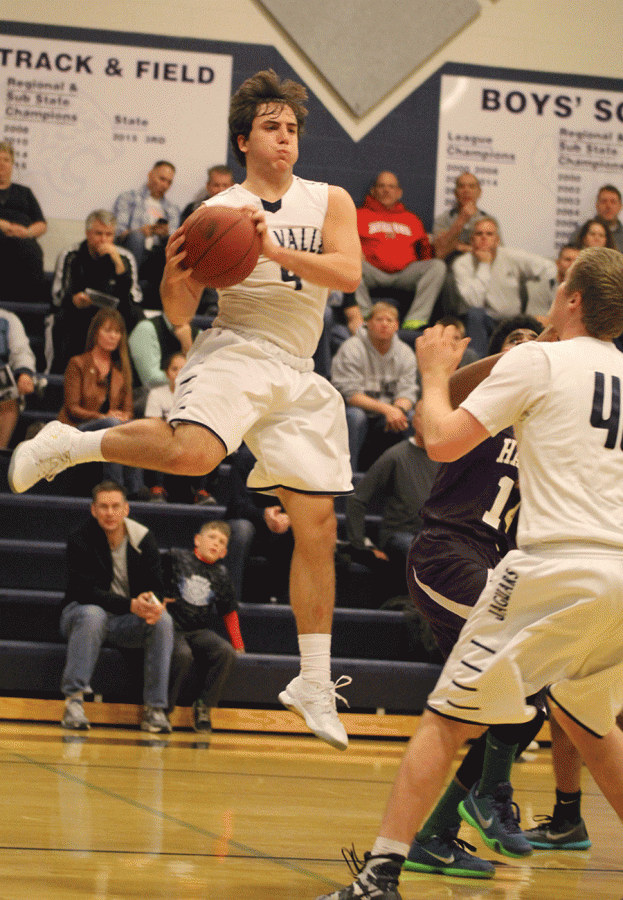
222, 245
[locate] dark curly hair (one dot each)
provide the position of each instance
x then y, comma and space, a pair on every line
507, 326
263, 88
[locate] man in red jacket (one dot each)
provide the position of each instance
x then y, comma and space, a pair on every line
396, 252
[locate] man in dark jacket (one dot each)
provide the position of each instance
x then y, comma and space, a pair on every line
114, 580
95, 264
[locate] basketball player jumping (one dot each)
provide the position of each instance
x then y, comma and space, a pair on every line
250, 377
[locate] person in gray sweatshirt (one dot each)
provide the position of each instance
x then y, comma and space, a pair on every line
375, 373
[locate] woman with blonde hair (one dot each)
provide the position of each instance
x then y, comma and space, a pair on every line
98, 388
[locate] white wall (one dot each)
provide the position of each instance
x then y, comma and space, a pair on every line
566, 36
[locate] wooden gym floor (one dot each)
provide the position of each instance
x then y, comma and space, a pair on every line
116, 813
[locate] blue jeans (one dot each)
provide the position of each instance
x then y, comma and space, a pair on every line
130, 477
479, 326
87, 626
322, 356
367, 437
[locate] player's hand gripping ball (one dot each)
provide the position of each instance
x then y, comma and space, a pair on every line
222, 246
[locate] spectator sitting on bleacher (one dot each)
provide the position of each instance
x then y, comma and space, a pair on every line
145, 219
542, 293
399, 481
608, 207
396, 252
21, 223
491, 279
201, 587
151, 343
595, 232
452, 229
346, 318
375, 373
163, 487
95, 264
114, 588
219, 179
17, 368
98, 388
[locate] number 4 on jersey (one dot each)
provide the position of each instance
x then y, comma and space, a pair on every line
611, 424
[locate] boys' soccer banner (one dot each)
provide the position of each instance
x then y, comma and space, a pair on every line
541, 153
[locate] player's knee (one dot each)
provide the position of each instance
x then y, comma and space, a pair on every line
317, 533
185, 458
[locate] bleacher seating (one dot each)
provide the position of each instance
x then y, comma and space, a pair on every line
374, 647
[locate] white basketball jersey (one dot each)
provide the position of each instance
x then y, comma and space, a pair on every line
272, 303
564, 400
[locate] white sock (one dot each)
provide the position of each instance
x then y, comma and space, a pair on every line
86, 446
315, 650
384, 846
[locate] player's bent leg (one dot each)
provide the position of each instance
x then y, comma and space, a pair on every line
187, 449
312, 695
144, 443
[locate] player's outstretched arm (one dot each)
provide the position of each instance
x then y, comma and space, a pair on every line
338, 267
180, 293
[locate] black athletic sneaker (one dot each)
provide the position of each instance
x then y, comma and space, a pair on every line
559, 836
377, 878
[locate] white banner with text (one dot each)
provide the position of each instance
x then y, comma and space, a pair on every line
541, 153
88, 120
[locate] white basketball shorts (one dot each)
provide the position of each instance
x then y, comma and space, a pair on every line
292, 419
552, 620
